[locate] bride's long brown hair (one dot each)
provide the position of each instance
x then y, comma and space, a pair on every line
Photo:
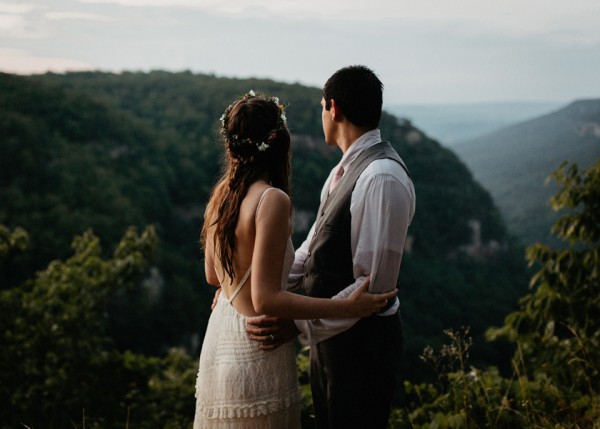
247, 123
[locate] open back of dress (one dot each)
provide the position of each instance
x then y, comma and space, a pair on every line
239, 386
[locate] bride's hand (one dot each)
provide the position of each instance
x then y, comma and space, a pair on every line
364, 304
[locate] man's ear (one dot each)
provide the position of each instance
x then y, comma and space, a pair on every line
334, 111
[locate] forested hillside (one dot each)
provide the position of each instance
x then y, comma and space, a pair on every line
513, 163
108, 151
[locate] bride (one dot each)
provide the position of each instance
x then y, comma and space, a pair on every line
248, 253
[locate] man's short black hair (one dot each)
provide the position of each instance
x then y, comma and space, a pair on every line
359, 94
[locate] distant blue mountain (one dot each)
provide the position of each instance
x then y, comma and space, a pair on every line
452, 124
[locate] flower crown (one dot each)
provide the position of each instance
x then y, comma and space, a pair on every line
263, 144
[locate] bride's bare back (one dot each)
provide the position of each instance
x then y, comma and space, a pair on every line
267, 247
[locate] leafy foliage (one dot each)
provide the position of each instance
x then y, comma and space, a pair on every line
557, 326
556, 377
71, 162
59, 365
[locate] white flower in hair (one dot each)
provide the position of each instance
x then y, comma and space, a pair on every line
272, 135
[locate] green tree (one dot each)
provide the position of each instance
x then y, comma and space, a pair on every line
11, 241
58, 366
556, 379
557, 328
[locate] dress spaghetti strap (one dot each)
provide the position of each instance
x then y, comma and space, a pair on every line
247, 274
261, 200
239, 287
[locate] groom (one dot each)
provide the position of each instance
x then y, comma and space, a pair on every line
367, 204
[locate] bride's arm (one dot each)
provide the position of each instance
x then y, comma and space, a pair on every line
272, 234
209, 264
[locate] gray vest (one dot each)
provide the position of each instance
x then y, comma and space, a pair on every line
329, 262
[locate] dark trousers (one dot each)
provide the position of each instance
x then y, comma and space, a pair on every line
353, 374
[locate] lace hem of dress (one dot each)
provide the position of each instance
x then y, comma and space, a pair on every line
231, 411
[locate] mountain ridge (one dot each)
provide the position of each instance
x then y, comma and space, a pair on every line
514, 163
453, 123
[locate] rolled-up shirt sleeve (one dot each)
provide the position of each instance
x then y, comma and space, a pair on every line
380, 221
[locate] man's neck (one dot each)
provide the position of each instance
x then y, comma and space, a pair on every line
348, 135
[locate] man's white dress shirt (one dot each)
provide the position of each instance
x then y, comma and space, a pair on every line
382, 207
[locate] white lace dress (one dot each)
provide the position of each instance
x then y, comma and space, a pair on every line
239, 386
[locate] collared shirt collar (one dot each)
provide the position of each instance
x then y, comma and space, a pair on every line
365, 141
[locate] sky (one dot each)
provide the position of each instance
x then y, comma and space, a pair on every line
424, 51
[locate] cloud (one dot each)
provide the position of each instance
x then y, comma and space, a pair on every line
22, 62
434, 50
572, 22
14, 8
10, 23
19, 21
80, 16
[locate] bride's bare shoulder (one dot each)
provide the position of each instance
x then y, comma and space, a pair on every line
273, 199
